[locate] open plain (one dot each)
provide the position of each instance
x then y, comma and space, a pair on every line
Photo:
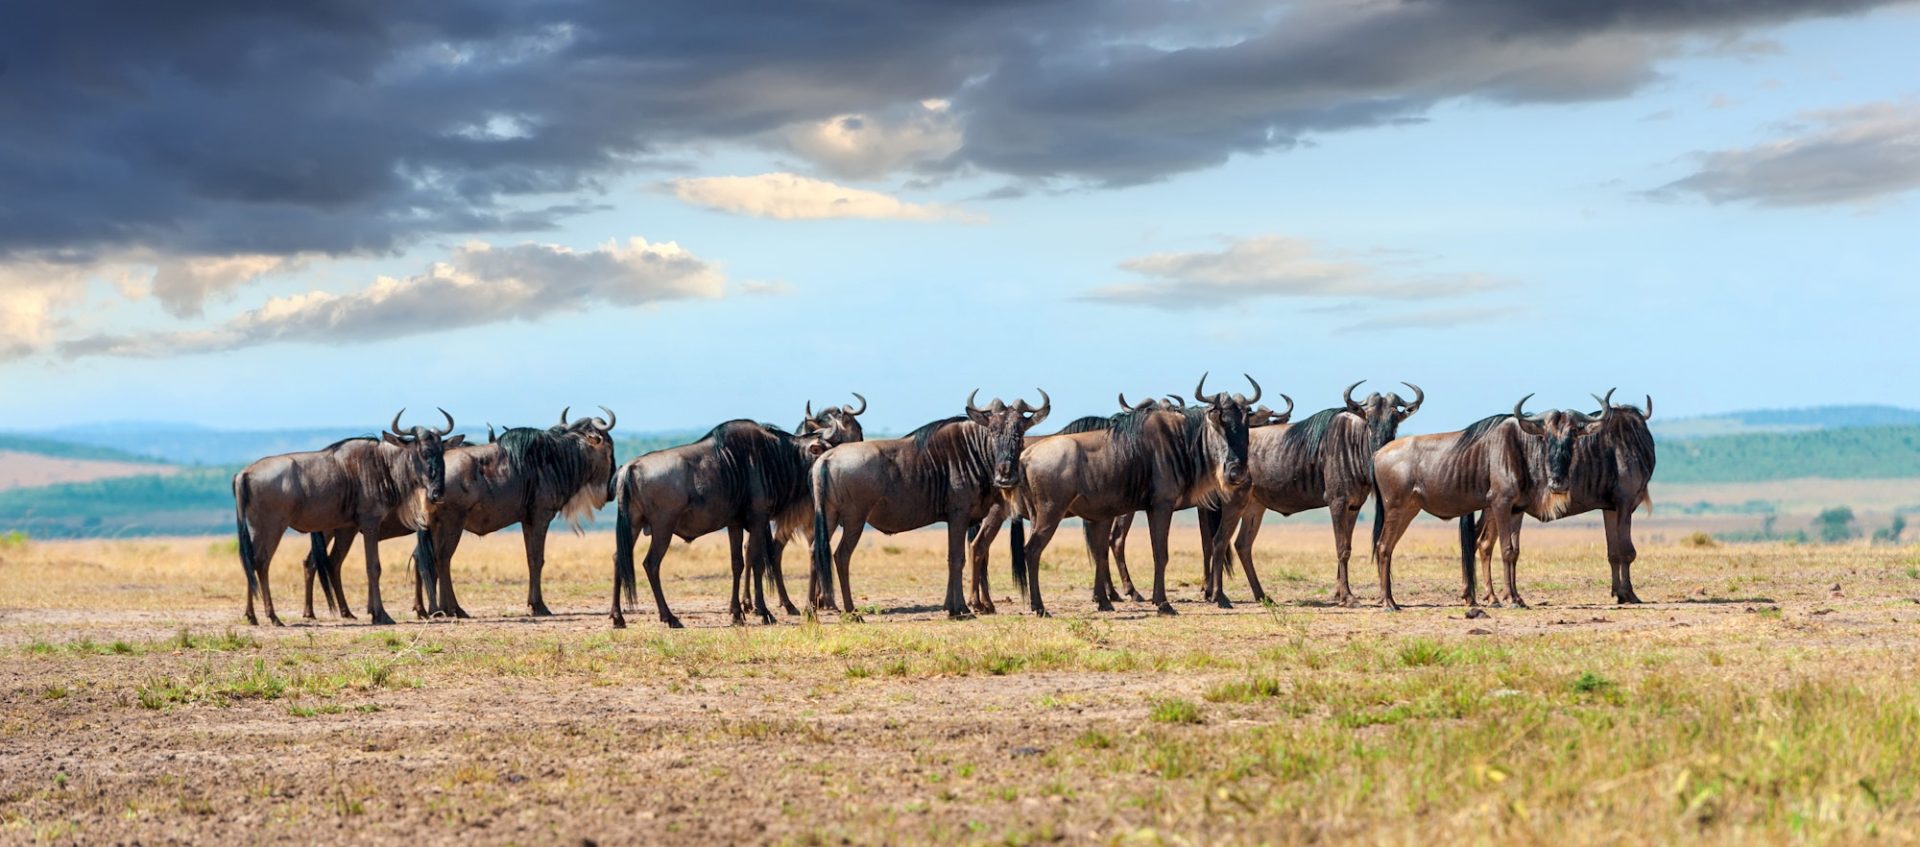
1765, 693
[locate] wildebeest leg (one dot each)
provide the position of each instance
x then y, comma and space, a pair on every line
957, 532
1045, 523
734, 611
656, 551
1344, 516
1488, 534
981, 545
317, 567
1121, 527
1159, 522
266, 540
376, 610
336, 562
776, 550
446, 539
1510, 553
1393, 524
1243, 540
758, 536
1212, 553
1228, 523
843, 562
1098, 534
1620, 547
534, 533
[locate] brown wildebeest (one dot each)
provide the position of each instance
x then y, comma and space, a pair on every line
1158, 461
1322, 462
1116, 540
951, 470
1503, 465
1610, 472
844, 425
523, 476
353, 485
743, 477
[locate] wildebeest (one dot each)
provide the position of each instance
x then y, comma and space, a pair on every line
353, 485
1609, 472
524, 476
1157, 461
1322, 462
843, 424
950, 470
1504, 465
743, 477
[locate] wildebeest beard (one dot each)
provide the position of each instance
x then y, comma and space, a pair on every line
385, 473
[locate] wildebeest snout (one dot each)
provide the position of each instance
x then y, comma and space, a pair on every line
1005, 475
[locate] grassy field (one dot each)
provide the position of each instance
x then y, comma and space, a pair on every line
1766, 694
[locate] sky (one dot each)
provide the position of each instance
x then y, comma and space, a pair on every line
277, 215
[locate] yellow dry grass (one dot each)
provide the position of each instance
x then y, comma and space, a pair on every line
1766, 695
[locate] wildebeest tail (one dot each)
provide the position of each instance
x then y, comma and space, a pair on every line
1469, 539
623, 540
424, 569
1017, 540
241, 496
317, 563
1379, 516
822, 533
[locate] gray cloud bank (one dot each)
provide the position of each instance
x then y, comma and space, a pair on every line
1841, 156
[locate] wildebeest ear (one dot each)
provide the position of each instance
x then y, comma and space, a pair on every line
454, 441
977, 416
392, 439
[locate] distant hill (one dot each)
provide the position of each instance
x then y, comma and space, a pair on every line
1786, 420
70, 450
1883, 452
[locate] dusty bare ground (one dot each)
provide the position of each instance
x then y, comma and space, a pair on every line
30, 470
1766, 693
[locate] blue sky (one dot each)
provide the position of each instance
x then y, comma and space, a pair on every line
1731, 227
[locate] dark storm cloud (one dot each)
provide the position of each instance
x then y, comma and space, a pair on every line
220, 128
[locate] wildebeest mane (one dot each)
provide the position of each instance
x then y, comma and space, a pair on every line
348, 440
1136, 448
1479, 429
925, 433
1090, 423
751, 456
958, 456
552, 464
1308, 434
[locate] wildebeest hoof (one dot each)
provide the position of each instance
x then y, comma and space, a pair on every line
460, 613
960, 614
672, 622
1042, 613
540, 611
1389, 605
1135, 597
619, 622
789, 609
347, 616
380, 618
1519, 603
1476, 612
767, 618
1221, 601
1103, 606
1165, 609
275, 619
1632, 598
853, 616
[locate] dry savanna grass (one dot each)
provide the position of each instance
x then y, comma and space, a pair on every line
1767, 694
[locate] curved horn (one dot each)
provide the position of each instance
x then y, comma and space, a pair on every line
1124, 405
611, 421
1256, 389
1606, 403
1347, 395
1289, 412
491, 436
1518, 408
1649, 414
449, 430
1046, 403
563, 416
1418, 398
863, 405
1197, 395
809, 410
970, 399
396, 422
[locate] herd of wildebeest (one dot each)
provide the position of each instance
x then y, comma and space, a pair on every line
1223, 454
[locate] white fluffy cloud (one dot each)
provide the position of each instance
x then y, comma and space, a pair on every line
1854, 155
182, 285
479, 284
870, 146
792, 197
1273, 266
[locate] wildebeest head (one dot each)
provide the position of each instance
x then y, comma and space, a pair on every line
1006, 431
1559, 429
840, 424
1383, 412
1263, 416
427, 449
595, 437
1229, 415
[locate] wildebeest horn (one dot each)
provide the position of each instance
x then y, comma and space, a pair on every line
809, 410
1124, 405
1198, 393
1649, 414
1418, 398
608, 424
1606, 403
1046, 404
563, 416
449, 430
1289, 412
1348, 396
395, 429
970, 399
1256, 389
1518, 408
863, 405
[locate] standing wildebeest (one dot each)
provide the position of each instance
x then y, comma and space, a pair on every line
523, 476
843, 424
1116, 539
1503, 465
950, 470
353, 485
1323, 462
742, 477
1610, 472
1157, 461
